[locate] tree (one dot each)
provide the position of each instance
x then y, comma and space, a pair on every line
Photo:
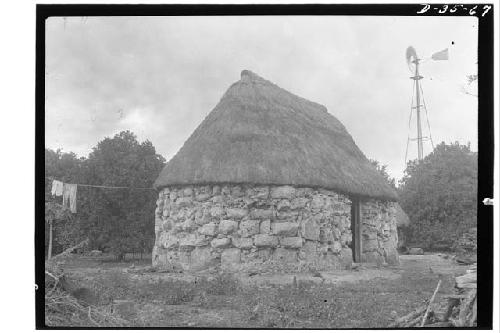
115, 220
382, 169
121, 220
439, 195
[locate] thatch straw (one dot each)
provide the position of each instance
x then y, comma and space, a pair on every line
261, 134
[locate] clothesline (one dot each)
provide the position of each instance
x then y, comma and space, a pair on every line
103, 186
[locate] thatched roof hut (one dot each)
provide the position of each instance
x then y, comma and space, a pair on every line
260, 133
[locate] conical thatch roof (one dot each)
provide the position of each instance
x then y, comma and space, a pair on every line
261, 134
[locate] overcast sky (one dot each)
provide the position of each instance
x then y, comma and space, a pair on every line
160, 76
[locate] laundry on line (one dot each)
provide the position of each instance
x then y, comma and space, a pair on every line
68, 191
57, 188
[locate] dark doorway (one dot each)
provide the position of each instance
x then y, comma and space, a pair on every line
356, 229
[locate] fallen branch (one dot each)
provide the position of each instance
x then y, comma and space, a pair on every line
430, 303
409, 317
71, 249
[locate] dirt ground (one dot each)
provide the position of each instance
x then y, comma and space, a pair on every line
365, 297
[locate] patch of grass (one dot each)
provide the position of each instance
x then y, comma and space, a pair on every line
351, 305
223, 284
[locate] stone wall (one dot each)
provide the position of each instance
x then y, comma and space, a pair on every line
243, 227
265, 228
379, 232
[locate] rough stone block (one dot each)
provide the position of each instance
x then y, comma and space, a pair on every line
216, 190
282, 192
372, 257
310, 229
201, 240
169, 241
309, 251
369, 233
216, 211
201, 218
264, 254
228, 226
291, 242
243, 243
369, 245
261, 192
226, 190
317, 202
346, 257
285, 255
167, 225
249, 228
217, 199
288, 215
265, 227
330, 261
285, 228
202, 258
188, 225
220, 242
346, 238
208, 229
326, 235
283, 205
265, 241
299, 203
203, 197
188, 191
262, 214
236, 191
337, 234
303, 191
230, 257
236, 213
336, 247
323, 248
185, 259
166, 210
391, 256
188, 242
184, 202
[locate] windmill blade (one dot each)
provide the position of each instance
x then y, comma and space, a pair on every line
411, 55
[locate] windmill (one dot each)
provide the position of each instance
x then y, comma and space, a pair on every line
418, 101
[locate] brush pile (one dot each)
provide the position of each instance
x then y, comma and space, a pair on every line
68, 305
457, 310
461, 310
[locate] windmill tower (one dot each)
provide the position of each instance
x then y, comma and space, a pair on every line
418, 102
